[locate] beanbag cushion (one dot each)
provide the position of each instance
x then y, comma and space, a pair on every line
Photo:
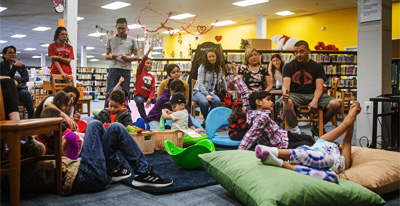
253, 183
375, 169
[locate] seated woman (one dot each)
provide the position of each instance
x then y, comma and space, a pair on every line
210, 80
9, 91
253, 73
173, 72
18, 72
275, 69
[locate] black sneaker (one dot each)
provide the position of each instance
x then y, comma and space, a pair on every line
315, 131
151, 179
121, 173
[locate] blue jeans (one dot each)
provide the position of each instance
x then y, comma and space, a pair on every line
140, 100
200, 99
113, 77
26, 98
98, 155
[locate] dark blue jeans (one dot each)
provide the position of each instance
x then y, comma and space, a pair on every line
113, 77
26, 98
200, 99
99, 152
140, 100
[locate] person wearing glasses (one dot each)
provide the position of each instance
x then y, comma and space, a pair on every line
121, 50
303, 82
15, 70
61, 53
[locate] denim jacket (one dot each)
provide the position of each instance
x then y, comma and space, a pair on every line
204, 81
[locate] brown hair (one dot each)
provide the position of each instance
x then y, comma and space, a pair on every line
117, 96
218, 64
247, 54
50, 112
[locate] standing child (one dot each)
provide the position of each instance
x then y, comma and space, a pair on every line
263, 129
116, 110
61, 53
145, 85
237, 121
180, 114
324, 159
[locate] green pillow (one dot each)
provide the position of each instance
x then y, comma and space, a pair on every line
253, 183
96, 112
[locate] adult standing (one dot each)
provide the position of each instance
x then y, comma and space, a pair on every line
17, 71
119, 50
61, 53
253, 73
210, 79
303, 82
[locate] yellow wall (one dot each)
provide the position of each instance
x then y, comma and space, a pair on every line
396, 20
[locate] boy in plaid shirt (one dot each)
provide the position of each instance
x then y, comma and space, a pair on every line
264, 130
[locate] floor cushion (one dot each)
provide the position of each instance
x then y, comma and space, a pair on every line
375, 169
253, 183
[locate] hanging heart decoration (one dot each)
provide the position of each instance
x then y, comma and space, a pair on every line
218, 38
112, 33
201, 29
197, 37
180, 39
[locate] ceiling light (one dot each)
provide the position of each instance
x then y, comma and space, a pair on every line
116, 5
95, 60
44, 45
182, 16
36, 57
140, 39
134, 26
89, 56
171, 32
41, 28
284, 13
97, 34
223, 23
249, 2
18, 52
104, 54
157, 47
154, 53
2, 8
18, 36
3, 41
30, 49
90, 48
79, 18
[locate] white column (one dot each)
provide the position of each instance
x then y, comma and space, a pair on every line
42, 60
71, 23
373, 60
83, 57
261, 27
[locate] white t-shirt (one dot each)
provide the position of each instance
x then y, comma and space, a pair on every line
278, 77
180, 120
51, 98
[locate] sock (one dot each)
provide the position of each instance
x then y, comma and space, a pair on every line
268, 158
72, 148
296, 130
272, 150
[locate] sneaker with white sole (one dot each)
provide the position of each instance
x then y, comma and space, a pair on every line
121, 173
151, 179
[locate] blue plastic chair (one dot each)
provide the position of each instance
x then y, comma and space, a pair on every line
216, 119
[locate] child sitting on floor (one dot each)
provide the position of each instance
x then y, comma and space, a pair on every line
116, 110
179, 115
263, 129
118, 87
324, 159
237, 121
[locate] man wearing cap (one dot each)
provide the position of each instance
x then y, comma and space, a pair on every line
179, 115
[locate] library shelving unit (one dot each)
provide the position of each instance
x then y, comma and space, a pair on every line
93, 79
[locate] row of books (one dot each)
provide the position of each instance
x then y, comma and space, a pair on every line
100, 76
339, 69
344, 82
161, 66
92, 70
84, 76
342, 59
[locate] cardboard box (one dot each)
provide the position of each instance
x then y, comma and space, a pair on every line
264, 44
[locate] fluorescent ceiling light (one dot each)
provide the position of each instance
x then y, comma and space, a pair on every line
79, 18
95, 60
182, 16
157, 47
89, 56
30, 49
97, 34
18, 36
140, 39
154, 53
18, 52
41, 28
2, 8
249, 2
3, 41
90, 48
116, 5
44, 45
134, 26
223, 23
172, 31
36, 57
284, 13
104, 54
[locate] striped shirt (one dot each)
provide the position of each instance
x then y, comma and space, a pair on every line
263, 129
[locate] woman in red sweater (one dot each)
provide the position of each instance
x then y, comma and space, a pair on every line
61, 53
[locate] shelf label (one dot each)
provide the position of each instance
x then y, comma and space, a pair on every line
371, 10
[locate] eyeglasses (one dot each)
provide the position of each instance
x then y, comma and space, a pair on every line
63, 34
10, 53
121, 28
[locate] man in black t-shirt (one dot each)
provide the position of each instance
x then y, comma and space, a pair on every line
303, 82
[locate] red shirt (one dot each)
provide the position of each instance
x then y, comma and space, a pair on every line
66, 51
145, 82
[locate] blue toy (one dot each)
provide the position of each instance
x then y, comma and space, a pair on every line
216, 119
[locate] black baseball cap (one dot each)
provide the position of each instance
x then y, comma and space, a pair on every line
177, 98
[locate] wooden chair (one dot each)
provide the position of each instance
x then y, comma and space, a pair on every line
82, 100
345, 103
332, 93
193, 103
47, 88
311, 117
57, 85
11, 132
